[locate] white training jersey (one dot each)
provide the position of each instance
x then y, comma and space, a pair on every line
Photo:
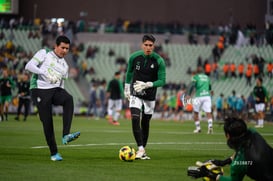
44, 63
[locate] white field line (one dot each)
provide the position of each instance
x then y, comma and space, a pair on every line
158, 143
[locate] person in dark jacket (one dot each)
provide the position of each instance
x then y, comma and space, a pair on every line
253, 155
114, 96
24, 96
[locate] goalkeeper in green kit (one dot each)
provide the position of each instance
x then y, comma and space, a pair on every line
253, 155
145, 72
49, 69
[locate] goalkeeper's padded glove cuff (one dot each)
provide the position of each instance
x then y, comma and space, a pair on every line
149, 84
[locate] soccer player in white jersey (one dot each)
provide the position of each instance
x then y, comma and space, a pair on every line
49, 69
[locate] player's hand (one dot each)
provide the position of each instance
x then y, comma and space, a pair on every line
139, 85
127, 93
185, 99
208, 173
51, 77
194, 172
205, 170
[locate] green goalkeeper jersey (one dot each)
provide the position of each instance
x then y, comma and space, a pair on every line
202, 85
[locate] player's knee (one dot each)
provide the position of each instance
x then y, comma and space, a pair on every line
135, 113
147, 117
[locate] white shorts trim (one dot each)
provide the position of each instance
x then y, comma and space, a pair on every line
138, 103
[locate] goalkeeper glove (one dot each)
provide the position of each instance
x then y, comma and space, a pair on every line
127, 91
208, 173
50, 77
53, 79
194, 172
139, 85
206, 169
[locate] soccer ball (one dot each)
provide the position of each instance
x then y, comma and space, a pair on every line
127, 153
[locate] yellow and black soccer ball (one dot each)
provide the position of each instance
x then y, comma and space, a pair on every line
127, 153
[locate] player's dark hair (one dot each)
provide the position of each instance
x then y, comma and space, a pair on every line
237, 130
148, 37
62, 39
117, 73
260, 79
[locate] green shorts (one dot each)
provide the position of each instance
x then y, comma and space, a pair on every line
4, 99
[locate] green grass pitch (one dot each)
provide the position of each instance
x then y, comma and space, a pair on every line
172, 147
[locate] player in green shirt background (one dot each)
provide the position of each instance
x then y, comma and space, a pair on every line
6, 85
202, 100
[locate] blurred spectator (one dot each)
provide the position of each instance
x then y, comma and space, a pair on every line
30, 34
219, 107
111, 52
240, 70
93, 99
121, 60
214, 68
256, 70
207, 68
221, 45
206, 39
226, 70
2, 35
260, 64
24, 96
189, 71
269, 69
171, 106
84, 68
240, 106
250, 105
102, 99
91, 52
179, 104
232, 101
248, 74
199, 62
192, 38
7, 84
233, 70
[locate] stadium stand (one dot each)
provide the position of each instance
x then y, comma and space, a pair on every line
181, 55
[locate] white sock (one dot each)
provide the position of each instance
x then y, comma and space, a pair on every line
116, 116
210, 123
141, 148
260, 122
197, 124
